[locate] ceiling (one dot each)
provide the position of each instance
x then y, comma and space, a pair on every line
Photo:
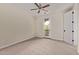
52, 8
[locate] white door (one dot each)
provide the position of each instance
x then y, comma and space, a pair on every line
68, 28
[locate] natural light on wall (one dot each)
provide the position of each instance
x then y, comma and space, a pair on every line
46, 23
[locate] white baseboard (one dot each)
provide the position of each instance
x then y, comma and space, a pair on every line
4, 46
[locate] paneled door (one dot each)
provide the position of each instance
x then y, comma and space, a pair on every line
68, 27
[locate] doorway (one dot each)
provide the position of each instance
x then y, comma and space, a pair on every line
46, 27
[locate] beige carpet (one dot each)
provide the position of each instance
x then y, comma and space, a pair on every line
39, 47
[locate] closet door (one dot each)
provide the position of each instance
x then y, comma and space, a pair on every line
68, 27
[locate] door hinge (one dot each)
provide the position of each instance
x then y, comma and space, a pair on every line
72, 40
72, 30
72, 12
72, 21
64, 30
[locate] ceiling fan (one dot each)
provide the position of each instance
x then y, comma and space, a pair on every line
40, 7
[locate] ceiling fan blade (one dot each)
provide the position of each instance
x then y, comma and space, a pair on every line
40, 5
38, 11
44, 10
46, 6
37, 5
33, 9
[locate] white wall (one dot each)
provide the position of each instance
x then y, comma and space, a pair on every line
15, 25
39, 26
56, 25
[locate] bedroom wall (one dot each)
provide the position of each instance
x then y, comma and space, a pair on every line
56, 25
16, 25
39, 26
